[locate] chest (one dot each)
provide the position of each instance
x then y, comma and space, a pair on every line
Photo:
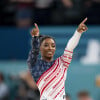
53, 78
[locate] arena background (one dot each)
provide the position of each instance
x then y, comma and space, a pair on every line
15, 43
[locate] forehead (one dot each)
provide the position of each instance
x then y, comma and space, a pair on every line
48, 40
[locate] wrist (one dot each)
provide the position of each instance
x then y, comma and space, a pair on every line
78, 32
36, 35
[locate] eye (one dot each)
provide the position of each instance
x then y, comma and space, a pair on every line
46, 45
53, 45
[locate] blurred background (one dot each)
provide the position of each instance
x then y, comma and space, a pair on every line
58, 18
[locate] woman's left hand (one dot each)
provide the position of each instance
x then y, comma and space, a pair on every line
82, 27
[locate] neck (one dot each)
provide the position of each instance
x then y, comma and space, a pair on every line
47, 59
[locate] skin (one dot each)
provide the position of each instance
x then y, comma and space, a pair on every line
48, 47
85, 98
67, 98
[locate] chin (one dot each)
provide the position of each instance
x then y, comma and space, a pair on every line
50, 56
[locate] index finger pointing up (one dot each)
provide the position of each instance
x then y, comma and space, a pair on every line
84, 20
36, 26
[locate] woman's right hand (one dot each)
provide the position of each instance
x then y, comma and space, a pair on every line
35, 31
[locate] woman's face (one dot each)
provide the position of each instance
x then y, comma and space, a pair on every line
47, 49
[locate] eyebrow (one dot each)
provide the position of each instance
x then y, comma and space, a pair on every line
48, 43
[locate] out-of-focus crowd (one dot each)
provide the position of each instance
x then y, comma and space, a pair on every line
22, 87
23, 13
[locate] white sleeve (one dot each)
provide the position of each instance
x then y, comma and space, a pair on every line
68, 52
73, 42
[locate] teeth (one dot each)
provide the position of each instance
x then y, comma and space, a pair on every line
49, 52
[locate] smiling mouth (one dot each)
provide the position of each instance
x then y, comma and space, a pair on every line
49, 52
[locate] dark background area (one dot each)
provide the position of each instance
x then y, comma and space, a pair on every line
60, 19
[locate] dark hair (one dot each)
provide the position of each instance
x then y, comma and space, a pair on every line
43, 37
83, 94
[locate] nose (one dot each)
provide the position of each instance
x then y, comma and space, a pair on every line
50, 47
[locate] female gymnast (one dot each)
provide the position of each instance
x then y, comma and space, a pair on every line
49, 74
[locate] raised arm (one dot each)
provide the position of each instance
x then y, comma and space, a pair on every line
34, 52
73, 42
